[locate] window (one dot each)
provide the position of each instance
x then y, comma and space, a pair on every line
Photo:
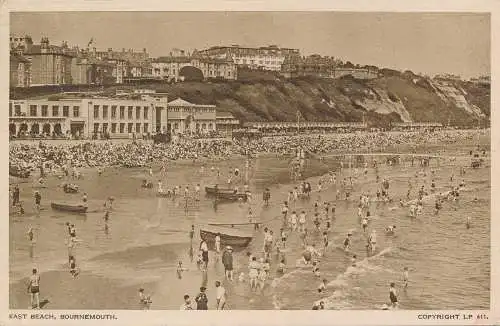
45, 110
76, 111
145, 112
137, 113
129, 127
33, 110
113, 112
55, 111
210, 126
122, 128
146, 128
65, 111
104, 127
130, 110
96, 127
10, 109
137, 127
96, 111
122, 112
104, 111
113, 128
176, 125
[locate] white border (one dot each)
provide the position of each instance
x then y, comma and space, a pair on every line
289, 318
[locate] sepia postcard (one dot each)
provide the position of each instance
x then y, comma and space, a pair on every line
262, 161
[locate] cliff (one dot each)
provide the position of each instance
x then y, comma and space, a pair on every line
382, 100
392, 97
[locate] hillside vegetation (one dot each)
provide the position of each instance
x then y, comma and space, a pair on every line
394, 97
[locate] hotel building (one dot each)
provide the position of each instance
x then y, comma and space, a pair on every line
267, 58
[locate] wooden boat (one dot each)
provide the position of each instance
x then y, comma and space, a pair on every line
236, 238
18, 172
70, 188
147, 184
164, 194
232, 196
73, 208
216, 190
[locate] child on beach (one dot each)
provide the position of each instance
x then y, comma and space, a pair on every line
281, 267
283, 237
144, 300
72, 267
180, 269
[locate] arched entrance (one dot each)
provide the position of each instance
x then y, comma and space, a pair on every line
58, 129
35, 129
23, 128
12, 129
188, 122
46, 129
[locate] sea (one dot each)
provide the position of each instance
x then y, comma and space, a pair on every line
146, 237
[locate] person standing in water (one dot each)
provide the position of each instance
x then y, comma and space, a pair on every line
31, 239
393, 296
34, 289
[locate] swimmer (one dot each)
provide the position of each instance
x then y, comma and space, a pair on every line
325, 239
353, 260
364, 224
393, 295
390, 230
405, 277
322, 286
281, 267
315, 269
180, 269
468, 222
347, 242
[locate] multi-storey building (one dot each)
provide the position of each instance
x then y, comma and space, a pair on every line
266, 58
50, 64
90, 71
20, 71
169, 68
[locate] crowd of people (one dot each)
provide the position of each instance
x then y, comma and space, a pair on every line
107, 153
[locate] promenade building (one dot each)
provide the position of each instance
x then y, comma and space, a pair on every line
267, 58
226, 122
305, 126
188, 118
127, 116
416, 126
36, 117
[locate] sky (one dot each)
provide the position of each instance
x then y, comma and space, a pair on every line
427, 43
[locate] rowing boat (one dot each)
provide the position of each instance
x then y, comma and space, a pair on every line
232, 196
236, 238
217, 190
73, 208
